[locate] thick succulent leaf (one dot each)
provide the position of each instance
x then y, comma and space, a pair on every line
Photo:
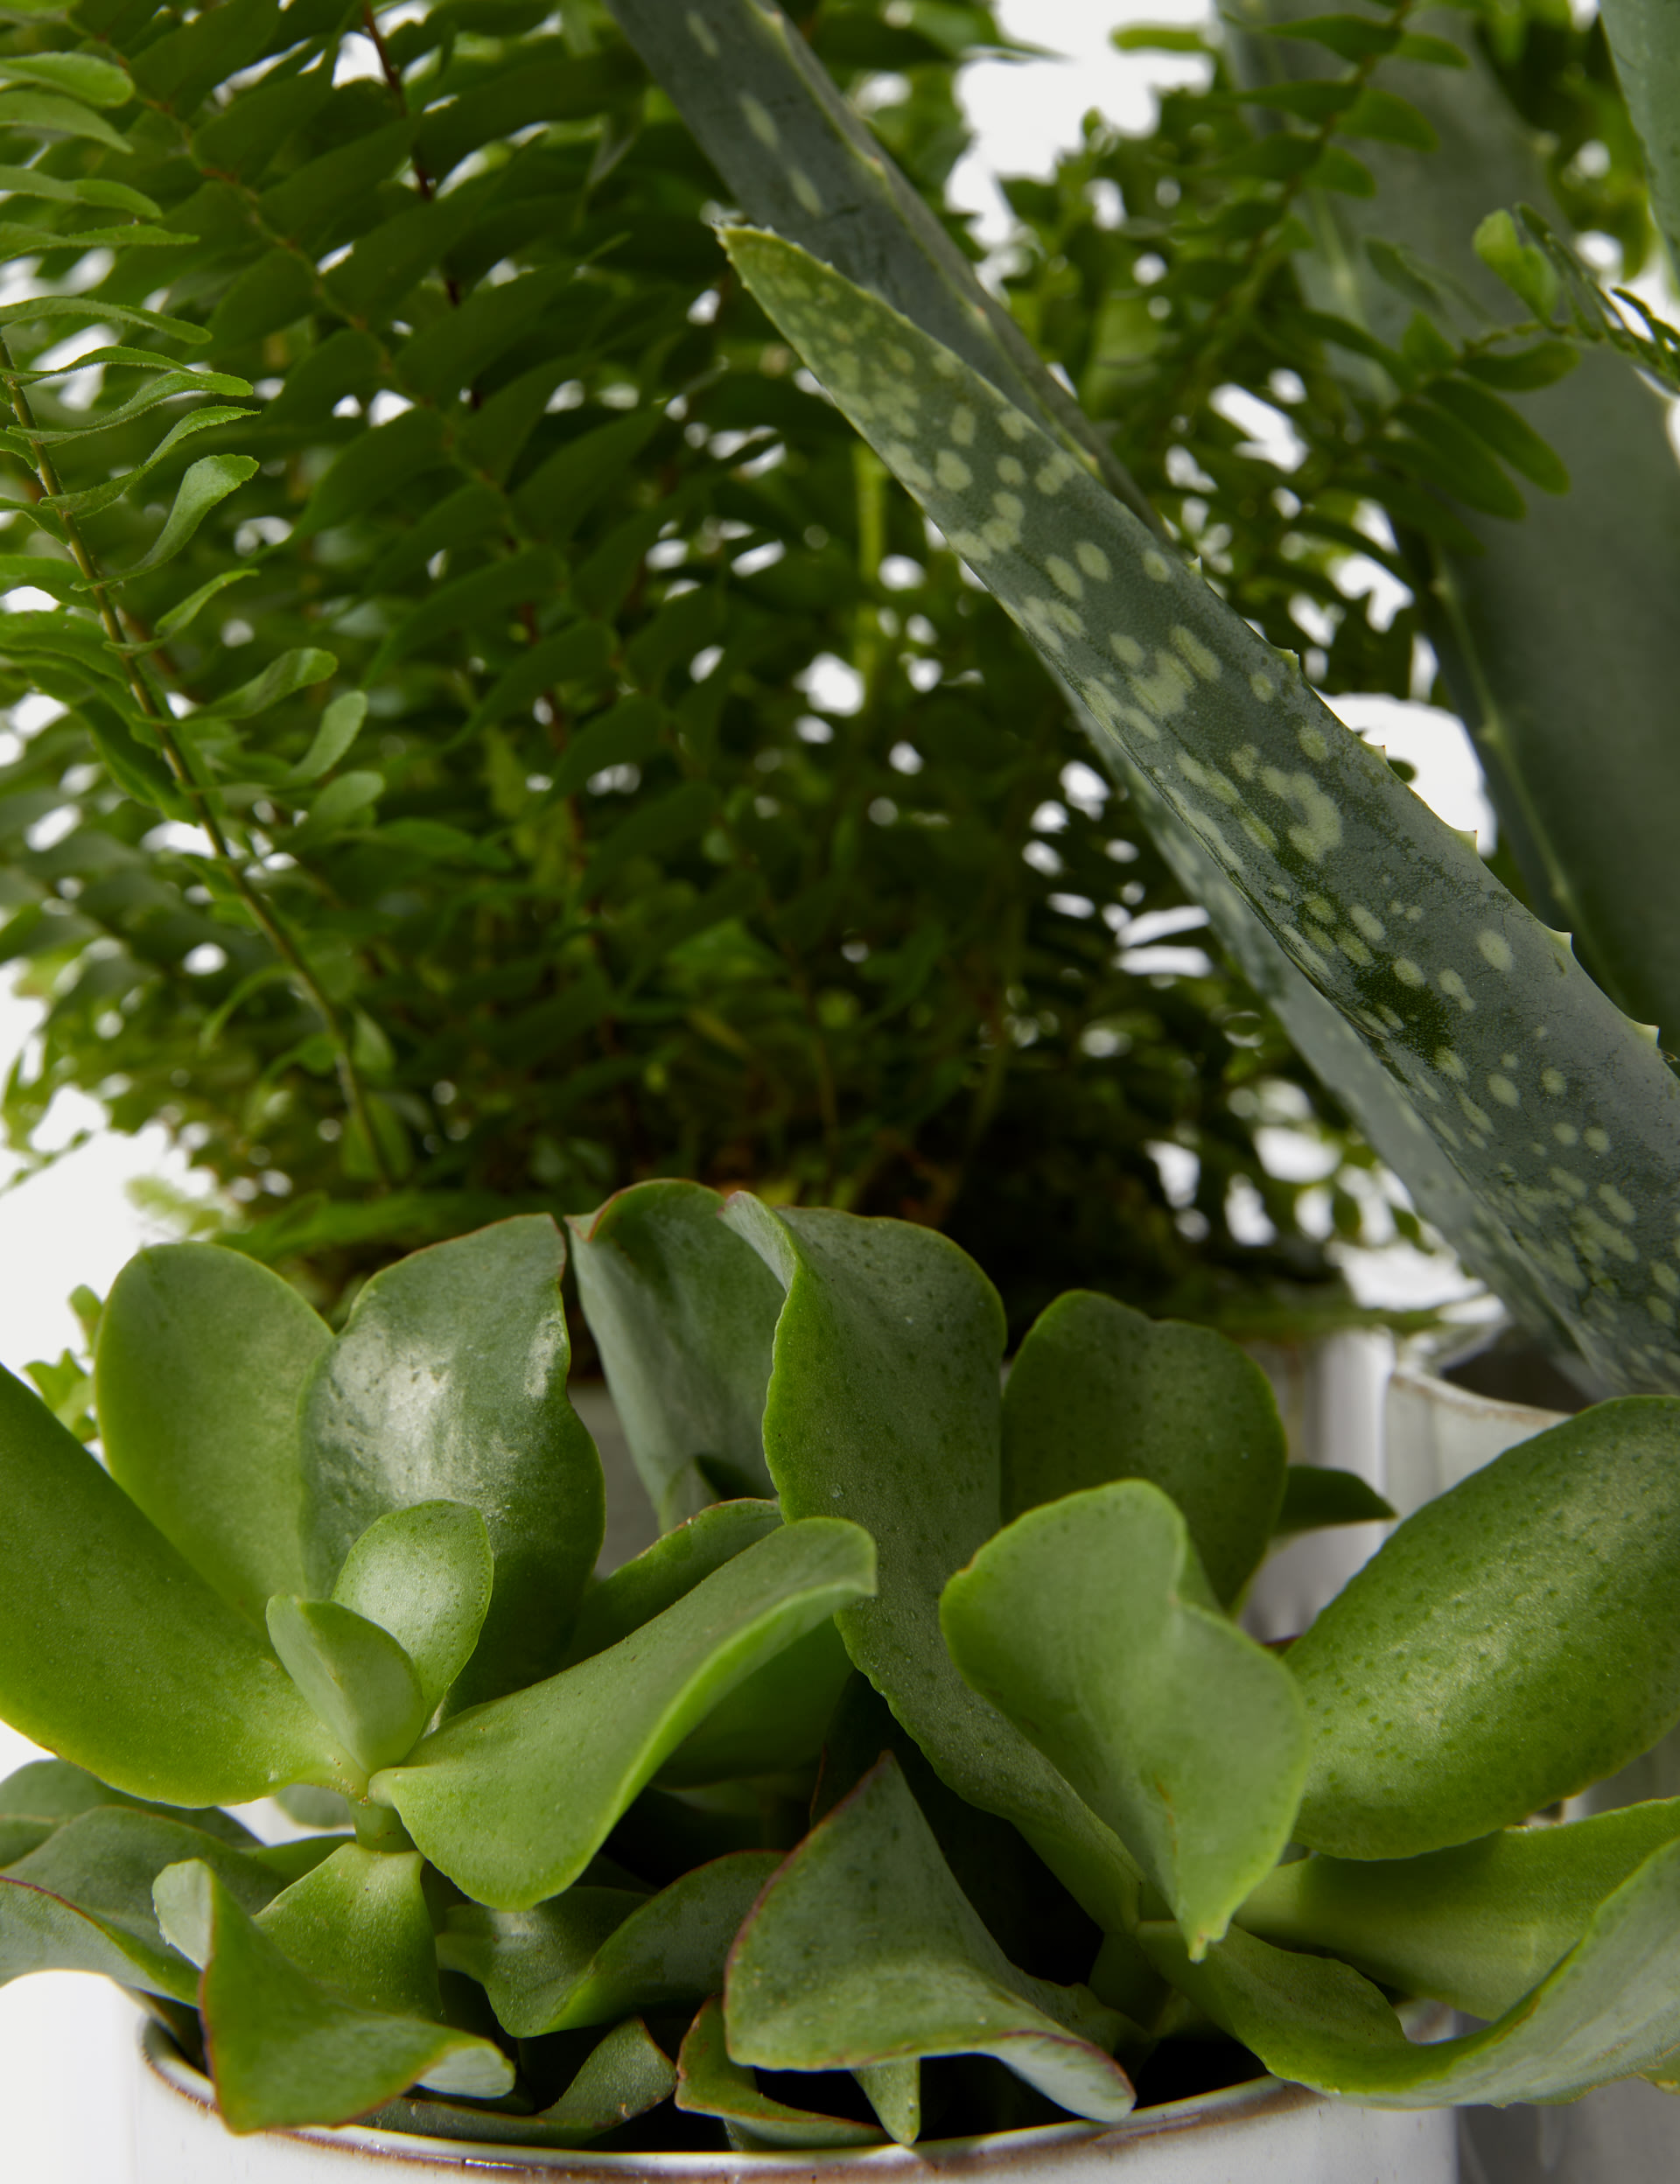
707, 2084
1089, 1623
201, 1362
1475, 1926
83, 1901
1500, 1037
684, 1316
596, 1954
38, 1798
655, 1579
1483, 1663
1316, 1494
115, 1654
893, 2091
862, 1949
884, 1404
1610, 2009
425, 1574
355, 1676
449, 1383
624, 2074
1098, 1392
773, 1724
359, 1922
284, 2049
1645, 40
477, 1795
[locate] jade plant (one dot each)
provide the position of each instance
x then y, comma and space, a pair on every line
920, 1780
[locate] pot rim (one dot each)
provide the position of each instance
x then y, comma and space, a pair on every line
1252, 2100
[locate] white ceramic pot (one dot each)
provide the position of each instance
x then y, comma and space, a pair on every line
1259, 2133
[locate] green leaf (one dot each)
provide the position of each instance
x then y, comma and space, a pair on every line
50, 114
637, 1591
340, 724
201, 1362
1389, 119
1315, 1494
624, 735
1089, 1623
359, 1922
93, 500
1523, 267
707, 2084
82, 75
81, 190
478, 1794
1157, 37
1522, 370
579, 653
1447, 454
1477, 1669
354, 1675
1189, 693
82, 1900
449, 1384
683, 1313
653, 830
424, 1573
345, 800
284, 2049
207, 482
1476, 1927
101, 309
1098, 1392
186, 612
1610, 2009
557, 495
862, 1949
1351, 36
771, 1725
623, 2075
1508, 435
298, 669
1640, 35
371, 469
200, 1713
40, 1796
594, 1955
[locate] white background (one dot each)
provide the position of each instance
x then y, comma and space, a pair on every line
62, 2037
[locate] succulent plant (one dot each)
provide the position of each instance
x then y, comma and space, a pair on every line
934, 1745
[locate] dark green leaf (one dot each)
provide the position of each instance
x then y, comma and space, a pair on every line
1315, 1494
1499, 425
207, 482
707, 2084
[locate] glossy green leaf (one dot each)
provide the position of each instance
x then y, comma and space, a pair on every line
83, 1901
773, 1724
1089, 1623
207, 482
425, 1574
864, 1949
293, 671
201, 1714
52, 115
707, 2084
449, 1384
1642, 38
82, 75
93, 500
1303, 820
892, 1340
359, 1922
593, 1955
655, 1579
624, 2074
478, 1794
1476, 1927
1481, 1665
1316, 1494
355, 1676
285, 2049
200, 1365
341, 723
42, 1794
1098, 1392
1607, 2011
683, 1313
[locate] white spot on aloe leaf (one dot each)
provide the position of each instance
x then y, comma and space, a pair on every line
1155, 567
1610, 1196
700, 31
806, 191
1407, 972
1366, 922
1504, 1091
1565, 1133
1195, 654
1495, 948
1598, 1139
1013, 425
1553, 1080
1011, 470
1263, 686
1126, 650
1320, 830
952, 471
1092, 559
1065, 576
1312, 741
1449, 1065
1454, 987
1164, 692
760, 122
962, 425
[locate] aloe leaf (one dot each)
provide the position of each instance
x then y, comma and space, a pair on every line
655, 1579
1476, 1927
892, 1338
1643, 38
200, 1364
684, 1316
707, 2084
115, 1654
1091, 1624
355, 1676
449, 1383
83, 1902
477, 1795
425, 1574
1479, 1667
1316, 1494
285, 2048
1500, 1037
863, 1950
1609, 2010
1098, 1392
596, 1954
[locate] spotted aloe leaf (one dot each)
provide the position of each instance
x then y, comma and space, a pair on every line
863, 1950
1609, 2010
1091, 1623
1554, 1110
1483, 1664
1476, 1927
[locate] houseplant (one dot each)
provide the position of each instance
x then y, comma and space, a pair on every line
1003, 1621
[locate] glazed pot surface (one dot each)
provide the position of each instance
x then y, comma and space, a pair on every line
1258, 2133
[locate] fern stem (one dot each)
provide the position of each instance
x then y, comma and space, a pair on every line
157, 713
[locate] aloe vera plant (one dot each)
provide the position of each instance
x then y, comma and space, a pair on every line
928, 1785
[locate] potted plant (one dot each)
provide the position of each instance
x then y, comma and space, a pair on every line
952, 1748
